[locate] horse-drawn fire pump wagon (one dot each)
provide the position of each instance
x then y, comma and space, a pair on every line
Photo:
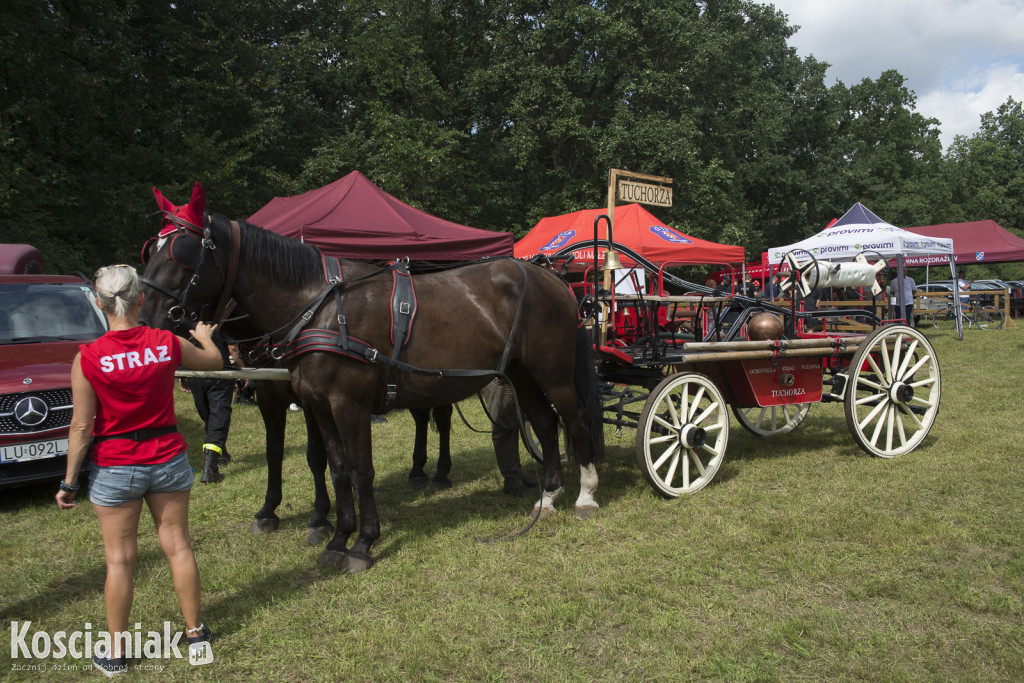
673, 364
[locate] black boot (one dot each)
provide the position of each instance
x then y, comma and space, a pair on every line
211, 475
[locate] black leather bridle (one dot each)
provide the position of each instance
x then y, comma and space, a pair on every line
179, 313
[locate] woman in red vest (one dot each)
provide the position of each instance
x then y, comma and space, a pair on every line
123, 393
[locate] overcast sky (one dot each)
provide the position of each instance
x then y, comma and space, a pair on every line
961, 58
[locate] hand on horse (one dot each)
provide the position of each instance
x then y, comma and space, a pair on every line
208, 358
203, 332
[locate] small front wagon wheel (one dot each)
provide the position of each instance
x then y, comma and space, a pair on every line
682, 435
773, 420
893, 391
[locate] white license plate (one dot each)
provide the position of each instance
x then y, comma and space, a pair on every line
34, 451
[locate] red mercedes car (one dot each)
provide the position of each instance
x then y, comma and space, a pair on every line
43, 319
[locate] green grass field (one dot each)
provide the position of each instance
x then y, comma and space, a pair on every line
804, 559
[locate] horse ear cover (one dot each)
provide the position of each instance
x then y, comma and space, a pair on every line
191, 213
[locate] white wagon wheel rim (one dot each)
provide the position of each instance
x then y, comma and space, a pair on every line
893, 392
682, 435
771, 420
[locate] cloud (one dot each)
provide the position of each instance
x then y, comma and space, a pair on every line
961, 59
959, 106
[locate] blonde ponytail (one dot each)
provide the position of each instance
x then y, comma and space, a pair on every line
117, 287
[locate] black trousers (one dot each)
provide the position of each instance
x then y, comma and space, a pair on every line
213, 403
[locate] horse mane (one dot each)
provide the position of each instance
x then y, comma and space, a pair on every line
278, 259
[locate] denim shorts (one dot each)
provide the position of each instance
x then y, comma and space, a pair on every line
118, 484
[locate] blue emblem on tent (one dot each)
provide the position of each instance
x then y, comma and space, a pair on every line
670, 235
979, 256
560, 240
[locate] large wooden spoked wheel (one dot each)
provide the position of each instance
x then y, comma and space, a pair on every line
772, 420
893, 391
682, 435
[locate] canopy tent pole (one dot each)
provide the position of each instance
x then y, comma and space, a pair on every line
956, 297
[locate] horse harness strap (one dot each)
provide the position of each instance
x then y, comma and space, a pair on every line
301, 340
403, 311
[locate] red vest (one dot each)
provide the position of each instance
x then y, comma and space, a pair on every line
132, 373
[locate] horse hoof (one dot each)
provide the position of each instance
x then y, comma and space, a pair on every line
442, 484
545, 512
332, 558
353, 564
264, 526
319, 534
584, 512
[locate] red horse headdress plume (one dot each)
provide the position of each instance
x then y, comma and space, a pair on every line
190, 215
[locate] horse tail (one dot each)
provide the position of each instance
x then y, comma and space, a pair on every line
590, 408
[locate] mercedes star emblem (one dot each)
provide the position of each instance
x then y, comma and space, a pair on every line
31, 411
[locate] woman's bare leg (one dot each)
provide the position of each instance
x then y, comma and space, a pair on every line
170, 514
120, 527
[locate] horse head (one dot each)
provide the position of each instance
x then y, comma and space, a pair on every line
184, 273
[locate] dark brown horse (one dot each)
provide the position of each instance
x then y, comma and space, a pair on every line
273, 399
469, 323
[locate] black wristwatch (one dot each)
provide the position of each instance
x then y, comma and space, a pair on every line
64, 486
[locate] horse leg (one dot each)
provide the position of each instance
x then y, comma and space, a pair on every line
273, 411
349, 449
320, 528
336, 550
351, 433
359, 452
578, 401
443, 422
418, 475
578, 440
545, 424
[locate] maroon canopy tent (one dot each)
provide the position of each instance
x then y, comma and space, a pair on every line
353, 218
973, 242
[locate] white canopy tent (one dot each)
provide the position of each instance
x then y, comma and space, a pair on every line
859, 230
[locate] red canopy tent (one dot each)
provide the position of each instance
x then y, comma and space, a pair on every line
973, 242
634, 227
353, 218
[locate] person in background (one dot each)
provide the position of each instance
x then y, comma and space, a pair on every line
726, 285
748, 286
909, 287
502, 409
213, 399
809, 303
774, 289
245, 389
123, 399
963, 285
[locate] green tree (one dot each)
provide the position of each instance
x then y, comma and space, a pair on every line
986, 170
491, 114
892, 155
101, 99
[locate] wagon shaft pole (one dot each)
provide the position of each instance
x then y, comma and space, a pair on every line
281, 374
